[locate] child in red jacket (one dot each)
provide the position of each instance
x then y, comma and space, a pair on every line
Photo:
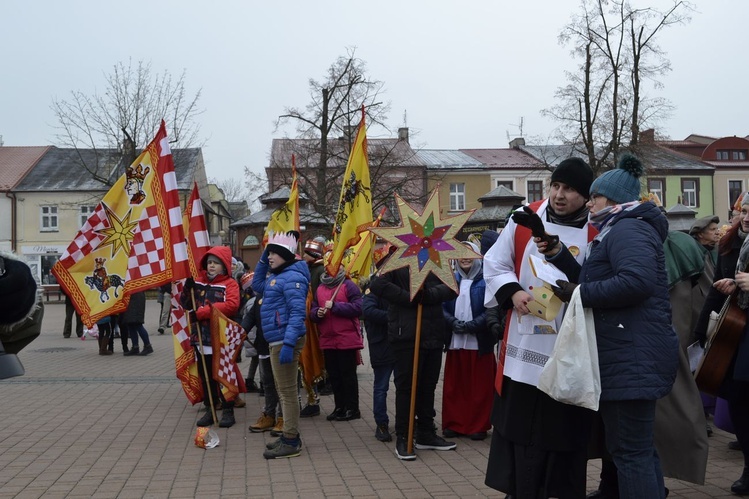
213, 287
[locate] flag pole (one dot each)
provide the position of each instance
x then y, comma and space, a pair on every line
414, 379
202, 356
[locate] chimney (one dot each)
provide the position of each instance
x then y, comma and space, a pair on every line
515, 143
647, 135
403, 134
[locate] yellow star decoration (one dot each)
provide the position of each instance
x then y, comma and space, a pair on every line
426, 242
120, 231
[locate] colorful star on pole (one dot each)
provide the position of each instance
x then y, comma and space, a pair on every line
426, 242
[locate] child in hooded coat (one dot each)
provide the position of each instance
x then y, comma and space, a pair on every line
213, 287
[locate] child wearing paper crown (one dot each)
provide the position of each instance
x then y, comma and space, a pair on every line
213, 287
283, 281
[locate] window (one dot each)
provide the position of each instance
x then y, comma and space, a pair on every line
49, 218
535, 190
689, 188
457, 197
735, 188
86, 211
721, 155
738, 155
505, 183
657, 186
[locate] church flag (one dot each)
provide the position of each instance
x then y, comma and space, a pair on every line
286, 217
133, 241
226, 339
355, 203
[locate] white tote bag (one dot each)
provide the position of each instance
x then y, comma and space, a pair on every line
571, 375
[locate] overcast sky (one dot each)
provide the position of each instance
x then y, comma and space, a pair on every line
464, 72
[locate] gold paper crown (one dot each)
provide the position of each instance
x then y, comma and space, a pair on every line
283, 239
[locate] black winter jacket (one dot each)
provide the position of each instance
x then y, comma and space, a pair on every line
394, 288
375, 315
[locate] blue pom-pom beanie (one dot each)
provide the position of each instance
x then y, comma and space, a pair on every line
622, 184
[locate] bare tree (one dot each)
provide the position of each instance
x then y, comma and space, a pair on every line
124, 118
325, 133
234, 189
254, 187
603, 106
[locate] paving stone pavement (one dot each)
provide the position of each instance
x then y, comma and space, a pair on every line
83, 425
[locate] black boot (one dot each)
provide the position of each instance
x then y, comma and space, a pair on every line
207, 419
146, 350
741, 486
133, 351
227, 416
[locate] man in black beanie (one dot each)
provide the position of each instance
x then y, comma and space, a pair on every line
538, 446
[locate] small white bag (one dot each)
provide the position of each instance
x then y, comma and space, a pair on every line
572, 375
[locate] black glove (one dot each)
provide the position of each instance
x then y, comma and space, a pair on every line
188, 285
530, 219
564, 290
459, 327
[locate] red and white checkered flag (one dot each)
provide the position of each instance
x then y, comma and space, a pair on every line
226, 339
184, 355
134, 240
154, 250
197, 230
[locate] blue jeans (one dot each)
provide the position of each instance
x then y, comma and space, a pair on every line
135, 330
382, 376
628, 425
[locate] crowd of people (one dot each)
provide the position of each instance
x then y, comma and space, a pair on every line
650, 290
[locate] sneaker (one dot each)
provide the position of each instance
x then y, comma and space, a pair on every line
146, 350
277, 442
285, 448
206, 420
434, 442
263, 423
383, 433
251, 385
309, 411
239, 402
277, 430
448, 433
401, 450
161, 330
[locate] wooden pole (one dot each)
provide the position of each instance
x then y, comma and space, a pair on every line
207, 373
414, 379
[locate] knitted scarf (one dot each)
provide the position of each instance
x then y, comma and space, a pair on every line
331, 281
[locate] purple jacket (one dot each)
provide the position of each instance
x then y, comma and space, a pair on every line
339, 329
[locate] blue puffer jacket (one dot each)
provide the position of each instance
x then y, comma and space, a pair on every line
624, 281
284, 300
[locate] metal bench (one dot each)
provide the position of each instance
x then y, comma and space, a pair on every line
50, 290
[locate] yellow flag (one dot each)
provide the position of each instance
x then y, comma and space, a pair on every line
355, 203
359, 260
286, 217
132, 242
